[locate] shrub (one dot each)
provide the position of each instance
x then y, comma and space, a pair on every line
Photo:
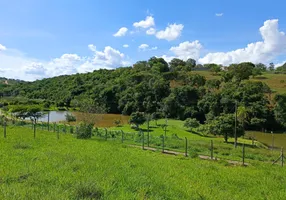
70, 118
84, 131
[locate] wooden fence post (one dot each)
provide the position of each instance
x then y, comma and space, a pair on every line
35, 124
212, 149
58, 133
148, 139
272, 140
243, 153
282, 157
5, 124
186, 147
143, 147
163, 144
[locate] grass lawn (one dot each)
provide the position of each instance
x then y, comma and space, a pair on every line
68, 168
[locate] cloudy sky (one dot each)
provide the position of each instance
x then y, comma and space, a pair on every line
45, 38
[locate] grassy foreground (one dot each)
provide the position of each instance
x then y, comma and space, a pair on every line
47, 168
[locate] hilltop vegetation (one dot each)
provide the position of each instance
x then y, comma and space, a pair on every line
173, 90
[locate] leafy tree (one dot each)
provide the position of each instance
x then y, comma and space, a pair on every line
158, 64
224, 125
271, 67
261, 66
137, 118
256, 72
191, 63
241, 71
191, 123
214, 68
176, 64
280, 109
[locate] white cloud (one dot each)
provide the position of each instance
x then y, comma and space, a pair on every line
185, 50
121, 32
15, 64
148, 22
280, 64
92, 47
2, 48
35, 68
219, 14
146, 47
151, 31
143, 46
273, 45
172, 32
125, 45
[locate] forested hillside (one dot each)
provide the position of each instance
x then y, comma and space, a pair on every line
170, 90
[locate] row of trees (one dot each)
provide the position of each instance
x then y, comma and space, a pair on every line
171, 90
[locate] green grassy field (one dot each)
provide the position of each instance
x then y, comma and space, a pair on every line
277, 82
68, 168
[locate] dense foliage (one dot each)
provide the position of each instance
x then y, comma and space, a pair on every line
164, 90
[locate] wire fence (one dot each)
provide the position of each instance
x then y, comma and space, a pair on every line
211, 149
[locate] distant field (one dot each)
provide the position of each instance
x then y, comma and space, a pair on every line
47, 168
276, 82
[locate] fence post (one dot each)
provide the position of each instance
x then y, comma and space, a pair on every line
5, 124
212, 148
163, 144
272, 140
186, 147
282, 157
142, 140
148, 138
35, 123
243, 153
49, 121
122, 137
58, 133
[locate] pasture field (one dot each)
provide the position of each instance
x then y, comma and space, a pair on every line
277, 82
69, 168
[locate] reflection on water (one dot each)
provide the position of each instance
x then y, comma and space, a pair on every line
100, 120
55, 116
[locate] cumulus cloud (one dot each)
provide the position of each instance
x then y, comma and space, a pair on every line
2, 47
273, 45
121, 32
125, 45
185, 50
172, 32
148, 22
151, 31
15, 64
219, 14
35, 68
143, 46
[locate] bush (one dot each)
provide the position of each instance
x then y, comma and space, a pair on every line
70, 118
84, 131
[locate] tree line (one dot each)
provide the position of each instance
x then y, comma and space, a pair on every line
170, 90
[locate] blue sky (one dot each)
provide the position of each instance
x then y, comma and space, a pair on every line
44, 38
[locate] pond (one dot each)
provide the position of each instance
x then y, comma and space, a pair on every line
100, 120
55, 116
